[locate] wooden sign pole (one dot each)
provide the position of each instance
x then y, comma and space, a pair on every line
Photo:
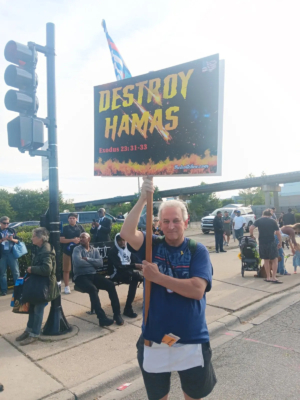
149, 222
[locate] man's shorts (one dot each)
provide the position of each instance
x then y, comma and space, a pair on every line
268, 251
66, 263
197, 382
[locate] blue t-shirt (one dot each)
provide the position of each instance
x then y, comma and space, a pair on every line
170, 312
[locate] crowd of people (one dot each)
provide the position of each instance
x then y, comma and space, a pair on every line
181, 274
273, 236
226, 225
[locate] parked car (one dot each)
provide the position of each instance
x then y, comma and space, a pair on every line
26, 223
246, 212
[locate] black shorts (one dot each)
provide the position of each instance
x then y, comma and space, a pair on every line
197, 382
268, 251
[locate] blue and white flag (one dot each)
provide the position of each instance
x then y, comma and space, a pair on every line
121, 70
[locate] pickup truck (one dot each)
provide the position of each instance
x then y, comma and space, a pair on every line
246, 212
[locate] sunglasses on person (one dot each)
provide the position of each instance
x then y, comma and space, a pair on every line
5, 223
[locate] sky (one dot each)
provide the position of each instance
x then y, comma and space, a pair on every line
258, 40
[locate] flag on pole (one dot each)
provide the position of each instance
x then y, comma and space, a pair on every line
121, 70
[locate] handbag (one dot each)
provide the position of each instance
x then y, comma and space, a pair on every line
19, 249
16, 301
35, 289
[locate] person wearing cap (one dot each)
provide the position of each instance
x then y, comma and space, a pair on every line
101, 229
239, 223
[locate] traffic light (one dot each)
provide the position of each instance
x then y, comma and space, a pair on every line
25, 132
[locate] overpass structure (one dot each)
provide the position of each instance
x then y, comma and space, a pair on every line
269, 183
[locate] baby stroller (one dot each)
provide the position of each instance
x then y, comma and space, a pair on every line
249, 256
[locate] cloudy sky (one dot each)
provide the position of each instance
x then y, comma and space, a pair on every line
258, 39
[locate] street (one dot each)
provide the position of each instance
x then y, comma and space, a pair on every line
262, 363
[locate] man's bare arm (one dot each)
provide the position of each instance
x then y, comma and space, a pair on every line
278, 234
251, 229
129, 232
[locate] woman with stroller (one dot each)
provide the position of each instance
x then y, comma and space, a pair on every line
43, 264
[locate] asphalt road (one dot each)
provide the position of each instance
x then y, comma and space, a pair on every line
260, 364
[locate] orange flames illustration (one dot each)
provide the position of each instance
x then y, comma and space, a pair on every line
166, 167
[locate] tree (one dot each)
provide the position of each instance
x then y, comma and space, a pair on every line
254, 195
120, 208
91, 207
31, 204
203, 202
224, 202
6, 209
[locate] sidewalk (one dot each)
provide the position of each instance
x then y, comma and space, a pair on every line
91, 360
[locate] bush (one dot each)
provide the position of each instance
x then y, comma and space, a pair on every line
297, 217
114, 230
25, 229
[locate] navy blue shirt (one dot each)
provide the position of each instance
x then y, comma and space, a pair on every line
170, 312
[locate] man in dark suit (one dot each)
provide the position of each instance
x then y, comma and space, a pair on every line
101, 229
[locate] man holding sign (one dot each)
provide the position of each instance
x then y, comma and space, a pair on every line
181, 274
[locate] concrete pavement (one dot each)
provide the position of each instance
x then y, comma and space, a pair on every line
93, 361
256, 361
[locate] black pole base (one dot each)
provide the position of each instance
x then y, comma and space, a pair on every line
57, 323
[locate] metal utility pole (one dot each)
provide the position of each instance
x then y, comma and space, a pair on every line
56, 323
52, 140
26, 132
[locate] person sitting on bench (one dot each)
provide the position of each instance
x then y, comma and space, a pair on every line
122, 266
86, 260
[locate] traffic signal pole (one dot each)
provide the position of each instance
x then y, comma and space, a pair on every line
52, 140
26, 132
56, 323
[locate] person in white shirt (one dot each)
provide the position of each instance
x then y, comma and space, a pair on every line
238, 225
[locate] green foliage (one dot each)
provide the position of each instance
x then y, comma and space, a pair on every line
123, 208
201, 203
114, 230
28, 205
25, 229
91, 207
6, 209
25, 261
224, 202
297, 217
252, 196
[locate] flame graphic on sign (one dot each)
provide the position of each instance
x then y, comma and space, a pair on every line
156, 98
141, 132
162, 131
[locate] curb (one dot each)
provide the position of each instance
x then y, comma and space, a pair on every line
107, 382
65, 394
252, 311
105, 385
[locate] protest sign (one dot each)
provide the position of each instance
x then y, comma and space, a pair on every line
165, 122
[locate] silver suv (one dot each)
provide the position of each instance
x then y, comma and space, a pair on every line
246, 212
